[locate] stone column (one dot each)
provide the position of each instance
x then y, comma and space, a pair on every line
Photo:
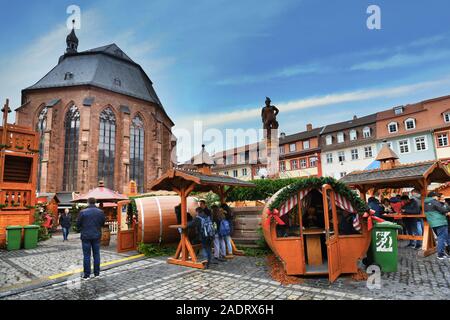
83, 152
124, 160
46, 152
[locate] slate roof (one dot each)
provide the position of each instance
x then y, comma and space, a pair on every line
300, 136
399, 176
100, 67
350, 124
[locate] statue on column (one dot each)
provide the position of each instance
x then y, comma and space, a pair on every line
269, 117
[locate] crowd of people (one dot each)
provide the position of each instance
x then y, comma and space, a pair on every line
436, 209
212, 227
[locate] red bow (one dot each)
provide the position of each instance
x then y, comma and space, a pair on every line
275, 214
371, 215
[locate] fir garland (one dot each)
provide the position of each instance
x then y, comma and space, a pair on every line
316, 183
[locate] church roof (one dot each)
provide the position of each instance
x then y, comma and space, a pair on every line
106, 67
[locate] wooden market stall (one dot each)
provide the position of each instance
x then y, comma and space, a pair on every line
394, 175
109, 200
313, 227
185, 182
50, 202
18, 174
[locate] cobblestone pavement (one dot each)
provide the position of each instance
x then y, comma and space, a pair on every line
247, 278
50, 257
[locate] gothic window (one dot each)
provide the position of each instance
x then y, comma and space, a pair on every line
40, 128
137, 152
107, 147
71, 127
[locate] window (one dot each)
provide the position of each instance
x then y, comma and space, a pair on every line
137, 152
282, 166
329, 140
446, 116
421, 143
442, 140
410, 124
226, 173
107, 147
393, 127
117, 82
353, 135
71, 128
329, 158
313, 162
368, 152
303, 163
340, 137
342, 174
235, 173
355, 155
294, 165
229, 160
281, 149
367, 132
341, 156
292, 147
305, 144
40, 128
398, 110
244, 171
403, 145
68, 76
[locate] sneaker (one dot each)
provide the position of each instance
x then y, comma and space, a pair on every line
85, 278
441, 257
418, 247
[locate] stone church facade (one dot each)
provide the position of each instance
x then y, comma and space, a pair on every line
99, 119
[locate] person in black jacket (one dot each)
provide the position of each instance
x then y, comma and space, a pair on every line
65, 220
90, 223
411, 207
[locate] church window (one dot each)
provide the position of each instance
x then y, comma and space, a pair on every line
71, 127
107, 147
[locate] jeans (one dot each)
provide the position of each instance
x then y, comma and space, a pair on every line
443, 239
65, 233
206, 248
411, 228
228, 244
419, 231
88, 246
219, 246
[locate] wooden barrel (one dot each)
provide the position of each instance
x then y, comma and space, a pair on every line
106, 236
247, 221
156, 214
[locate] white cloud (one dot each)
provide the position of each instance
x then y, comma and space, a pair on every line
241, 115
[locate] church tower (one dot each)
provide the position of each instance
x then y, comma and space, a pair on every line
72, 41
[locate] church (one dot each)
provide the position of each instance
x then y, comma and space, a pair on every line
99, 118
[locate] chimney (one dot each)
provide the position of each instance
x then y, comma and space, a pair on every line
309, 127
282, 135
355, 117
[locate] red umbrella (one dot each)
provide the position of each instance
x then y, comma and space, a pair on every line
101, 194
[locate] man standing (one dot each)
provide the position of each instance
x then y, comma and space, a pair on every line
204, 207
90, 223
437, 213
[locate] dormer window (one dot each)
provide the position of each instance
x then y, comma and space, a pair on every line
305, 144
117, 82
367, 133
329, 140
68, 76
292, 147
353, 135
446, 116
340, 137
410, 124
393, 127
398, 110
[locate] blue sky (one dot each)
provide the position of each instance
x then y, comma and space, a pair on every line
217, 60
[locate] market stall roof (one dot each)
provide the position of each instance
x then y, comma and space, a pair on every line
101, 194
400, 176
178, 179
65, 199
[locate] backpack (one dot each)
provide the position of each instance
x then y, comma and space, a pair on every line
225, 228
206, 228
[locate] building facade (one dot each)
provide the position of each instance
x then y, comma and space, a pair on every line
348, 146
408, 131
299, 154
99, 119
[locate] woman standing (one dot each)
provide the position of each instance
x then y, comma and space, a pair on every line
219, 241
65, 220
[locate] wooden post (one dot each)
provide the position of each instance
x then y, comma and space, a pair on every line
5, 112
428, 242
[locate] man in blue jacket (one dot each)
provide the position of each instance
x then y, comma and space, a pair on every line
437, 213
90, 223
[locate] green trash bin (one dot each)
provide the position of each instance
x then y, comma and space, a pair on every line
384, 247
13, 237
31, 236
